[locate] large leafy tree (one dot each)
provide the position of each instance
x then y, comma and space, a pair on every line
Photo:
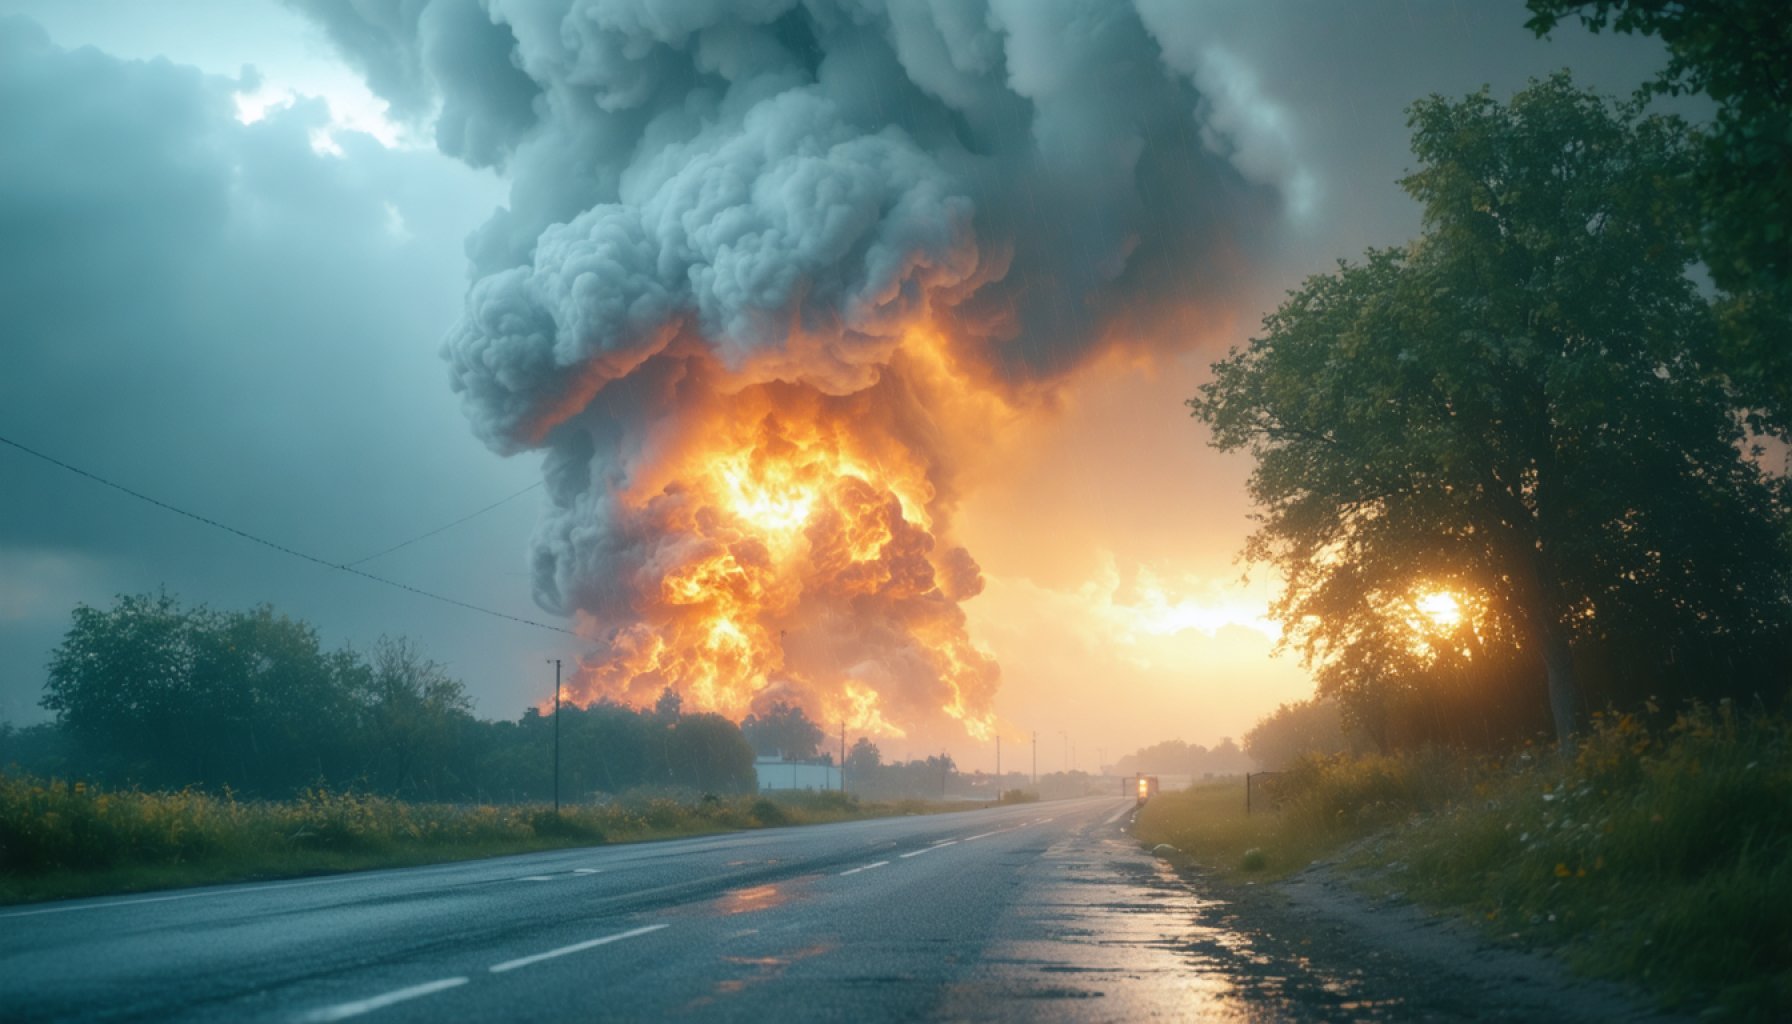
1735, 53
1514, 410
863, 761
783, 729
709, 753
415, 720
166, 695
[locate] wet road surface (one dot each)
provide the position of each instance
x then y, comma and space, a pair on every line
1037, 912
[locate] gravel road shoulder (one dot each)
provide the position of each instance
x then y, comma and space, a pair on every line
1397, 961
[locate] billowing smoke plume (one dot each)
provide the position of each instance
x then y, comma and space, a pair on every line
770, 273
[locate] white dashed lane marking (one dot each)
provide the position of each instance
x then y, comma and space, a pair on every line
343, 1011
577, 947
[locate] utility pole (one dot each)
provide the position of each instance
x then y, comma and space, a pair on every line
1035, 758
1066, 738
556, 737
998, 766
843, 757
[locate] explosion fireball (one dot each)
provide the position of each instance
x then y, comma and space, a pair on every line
789, 547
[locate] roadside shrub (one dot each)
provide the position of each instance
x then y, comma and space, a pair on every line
824, 803
343, 822
1352, 795
1661, 854
1656, 854
769, 814
565, 825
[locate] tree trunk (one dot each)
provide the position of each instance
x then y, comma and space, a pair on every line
1541, 610
1564, 689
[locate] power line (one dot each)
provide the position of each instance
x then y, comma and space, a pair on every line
439, 529
283, 549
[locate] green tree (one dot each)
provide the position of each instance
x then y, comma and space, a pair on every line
1295, 730
156, 693
709, 753
121, 684
782, 729
414, 720
1515, 410
863, 761
1735, 53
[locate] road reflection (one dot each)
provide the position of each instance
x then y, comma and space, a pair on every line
1120, 936
759, 897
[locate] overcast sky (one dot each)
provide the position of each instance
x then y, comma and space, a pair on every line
227, 269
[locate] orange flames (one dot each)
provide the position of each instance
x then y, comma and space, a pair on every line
791, 547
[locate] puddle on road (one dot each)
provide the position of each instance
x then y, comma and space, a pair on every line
1114, 934
747, 901
747, 971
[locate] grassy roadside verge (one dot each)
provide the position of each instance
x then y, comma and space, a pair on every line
1659, 856
61, 839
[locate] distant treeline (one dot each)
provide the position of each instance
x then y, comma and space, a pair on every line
1174, 757
154, 694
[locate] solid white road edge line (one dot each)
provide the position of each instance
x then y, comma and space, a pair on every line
577, 947
343, 1011
1117, 815
181, 896
355, 876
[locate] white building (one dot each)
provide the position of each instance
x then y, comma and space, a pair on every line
777, 773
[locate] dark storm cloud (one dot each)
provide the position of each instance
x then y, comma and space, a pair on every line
162, 264
1314, 94
416, 54
219, 315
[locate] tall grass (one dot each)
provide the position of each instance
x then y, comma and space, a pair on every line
1663, 855
1657, 854
60, 838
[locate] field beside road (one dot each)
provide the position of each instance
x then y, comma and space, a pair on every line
1656, 855
62, 839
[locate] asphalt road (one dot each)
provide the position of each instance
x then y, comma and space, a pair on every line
1041, 911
